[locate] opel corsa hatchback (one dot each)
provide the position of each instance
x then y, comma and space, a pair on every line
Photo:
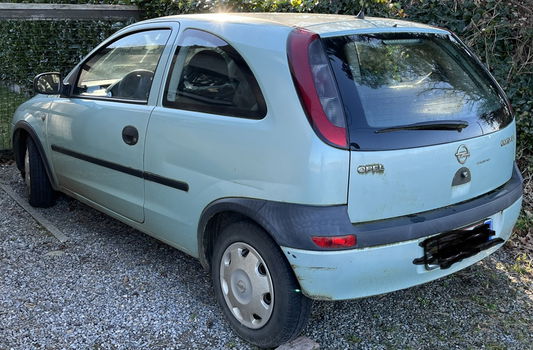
297, 156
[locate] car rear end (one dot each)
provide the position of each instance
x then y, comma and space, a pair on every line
433, 186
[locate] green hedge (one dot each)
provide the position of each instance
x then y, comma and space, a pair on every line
171, 7
31, 47
500, 31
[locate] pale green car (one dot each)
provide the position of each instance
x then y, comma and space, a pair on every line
297, 156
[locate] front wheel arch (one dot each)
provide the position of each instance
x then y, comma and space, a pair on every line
23, 131
20, 137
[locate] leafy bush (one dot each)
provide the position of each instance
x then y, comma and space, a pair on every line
172, 7
31, 47
9, 101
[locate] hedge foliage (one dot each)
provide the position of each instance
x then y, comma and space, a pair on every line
499, 31
30, 47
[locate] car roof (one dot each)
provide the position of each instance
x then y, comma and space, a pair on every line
325, 24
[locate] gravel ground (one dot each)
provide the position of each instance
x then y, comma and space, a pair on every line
112, 287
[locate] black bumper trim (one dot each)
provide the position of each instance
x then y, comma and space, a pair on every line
428, 223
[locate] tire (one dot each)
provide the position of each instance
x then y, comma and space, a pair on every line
250, 273
40, 191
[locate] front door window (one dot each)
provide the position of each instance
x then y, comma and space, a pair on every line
123, 69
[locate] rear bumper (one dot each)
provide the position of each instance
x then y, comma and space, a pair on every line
355, 273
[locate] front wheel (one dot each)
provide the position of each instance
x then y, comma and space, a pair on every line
40, 191
256, 287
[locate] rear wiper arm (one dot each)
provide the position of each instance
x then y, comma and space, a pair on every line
431, 125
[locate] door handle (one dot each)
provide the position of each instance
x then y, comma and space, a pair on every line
130, 135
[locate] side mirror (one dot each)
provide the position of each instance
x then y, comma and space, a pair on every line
47, 83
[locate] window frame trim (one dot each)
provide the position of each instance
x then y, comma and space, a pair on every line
105, 44
256, 89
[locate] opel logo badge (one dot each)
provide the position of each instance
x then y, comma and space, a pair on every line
241, 286
462, 154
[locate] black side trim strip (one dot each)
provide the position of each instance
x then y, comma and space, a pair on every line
183, 186
97, 161
110, 99
180, 185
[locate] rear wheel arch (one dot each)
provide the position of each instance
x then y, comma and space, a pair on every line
222, 213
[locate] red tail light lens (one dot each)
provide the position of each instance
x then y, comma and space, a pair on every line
335, 241
316, 86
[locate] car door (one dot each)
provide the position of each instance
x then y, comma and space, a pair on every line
97, 135
211, 105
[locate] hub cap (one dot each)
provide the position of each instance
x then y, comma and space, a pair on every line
27, 177
246, 285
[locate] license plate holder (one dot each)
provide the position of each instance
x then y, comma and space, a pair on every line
448, 248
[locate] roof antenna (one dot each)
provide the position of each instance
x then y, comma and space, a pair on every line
361, 14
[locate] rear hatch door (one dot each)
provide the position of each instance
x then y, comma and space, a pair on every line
394, 183
428, 126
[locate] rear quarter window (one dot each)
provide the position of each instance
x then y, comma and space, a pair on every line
209, 75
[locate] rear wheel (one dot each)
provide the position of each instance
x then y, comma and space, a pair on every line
40, 191
256, 287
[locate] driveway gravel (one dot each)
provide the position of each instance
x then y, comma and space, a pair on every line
112, 287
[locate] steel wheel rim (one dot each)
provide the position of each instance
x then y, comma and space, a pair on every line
27, 176
246, 285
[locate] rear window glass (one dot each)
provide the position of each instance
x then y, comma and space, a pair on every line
407, 78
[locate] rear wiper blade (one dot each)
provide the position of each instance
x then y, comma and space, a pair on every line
431, 125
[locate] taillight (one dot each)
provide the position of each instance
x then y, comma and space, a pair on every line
332, 242
316, 86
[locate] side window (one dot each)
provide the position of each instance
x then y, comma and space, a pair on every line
208, 75
123, 69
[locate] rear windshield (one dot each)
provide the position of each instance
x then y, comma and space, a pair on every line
399, 79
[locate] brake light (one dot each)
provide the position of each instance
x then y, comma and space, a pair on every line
316, 86
335, 241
